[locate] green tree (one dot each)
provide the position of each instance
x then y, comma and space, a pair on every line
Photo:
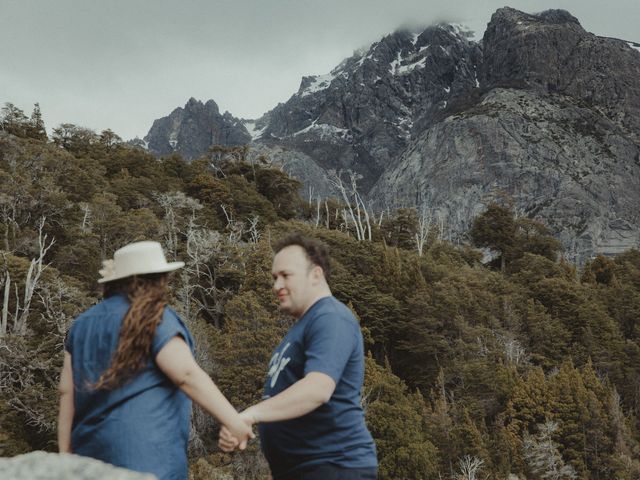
400, 230
601, 270
14, 121
394, 418
35, 128
495, 229
571, 411
75, 139
535, 238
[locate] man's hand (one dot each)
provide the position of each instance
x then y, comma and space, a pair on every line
241, 432
230, 440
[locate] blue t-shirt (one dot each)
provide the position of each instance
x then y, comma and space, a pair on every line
326, 339
142, 425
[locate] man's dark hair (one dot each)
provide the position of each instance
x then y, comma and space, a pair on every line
316, 251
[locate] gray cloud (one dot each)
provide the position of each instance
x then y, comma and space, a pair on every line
121, 64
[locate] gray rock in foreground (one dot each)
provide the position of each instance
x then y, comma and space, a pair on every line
51, 466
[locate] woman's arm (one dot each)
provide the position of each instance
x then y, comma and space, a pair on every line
66, 412
176, 362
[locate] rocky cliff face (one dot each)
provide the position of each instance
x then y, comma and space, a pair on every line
191, 130
363, 114
551, 53
559, 161
553, 129
540, 110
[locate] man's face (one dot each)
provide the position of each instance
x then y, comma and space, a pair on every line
295, 280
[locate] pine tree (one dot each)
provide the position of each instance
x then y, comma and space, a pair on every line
36, 127
542, 455
529, 403
571, 412
440, 424
468, 440
394, 418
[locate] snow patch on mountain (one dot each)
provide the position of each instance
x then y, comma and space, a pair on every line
404, 69
173, 139
253, 130
319, 83
325, 131
467, 32
393, 66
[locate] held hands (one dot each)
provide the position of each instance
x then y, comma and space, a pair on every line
230, 439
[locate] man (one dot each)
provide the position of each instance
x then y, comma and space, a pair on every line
311, 422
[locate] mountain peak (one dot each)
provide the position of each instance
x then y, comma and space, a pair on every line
548, 17
191, 130
557, 16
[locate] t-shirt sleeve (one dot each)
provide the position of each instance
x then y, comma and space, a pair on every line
329, 343
169, 327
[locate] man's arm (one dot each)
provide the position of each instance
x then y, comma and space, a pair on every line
176, 362
302, 397
67, 409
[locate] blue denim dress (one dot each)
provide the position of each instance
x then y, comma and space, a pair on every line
142, 425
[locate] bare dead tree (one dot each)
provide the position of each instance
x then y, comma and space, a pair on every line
56, 296
86, 217
326, 207
377, 222
514, 352
28, 373
36, 268
470, 468
175, 205
8, 215
234, 227
5, 302
199, 279
254, 232
318, 212
424, 226
358, 213
542, 455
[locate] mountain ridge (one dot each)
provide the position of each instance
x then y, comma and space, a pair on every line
539, 108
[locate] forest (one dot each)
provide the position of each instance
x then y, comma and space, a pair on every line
523, 367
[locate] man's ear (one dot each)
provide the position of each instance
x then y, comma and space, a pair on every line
317, 272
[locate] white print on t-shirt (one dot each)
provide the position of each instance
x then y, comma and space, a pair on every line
277, 364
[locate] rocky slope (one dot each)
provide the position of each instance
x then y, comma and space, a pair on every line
551, 53
556, 128
363, 114
559, 162
540, 110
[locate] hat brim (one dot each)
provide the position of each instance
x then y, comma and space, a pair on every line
169, 267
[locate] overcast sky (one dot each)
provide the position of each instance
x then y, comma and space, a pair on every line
120, 64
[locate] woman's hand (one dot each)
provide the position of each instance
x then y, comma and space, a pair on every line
231, 439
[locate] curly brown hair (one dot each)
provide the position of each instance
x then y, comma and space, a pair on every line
147, 295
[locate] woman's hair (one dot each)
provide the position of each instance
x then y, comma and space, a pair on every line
147, 295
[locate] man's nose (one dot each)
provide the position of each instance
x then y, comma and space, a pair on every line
277, 284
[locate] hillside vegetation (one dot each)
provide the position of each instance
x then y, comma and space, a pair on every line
521, 368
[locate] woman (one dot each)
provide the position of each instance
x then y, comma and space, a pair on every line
129, 373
